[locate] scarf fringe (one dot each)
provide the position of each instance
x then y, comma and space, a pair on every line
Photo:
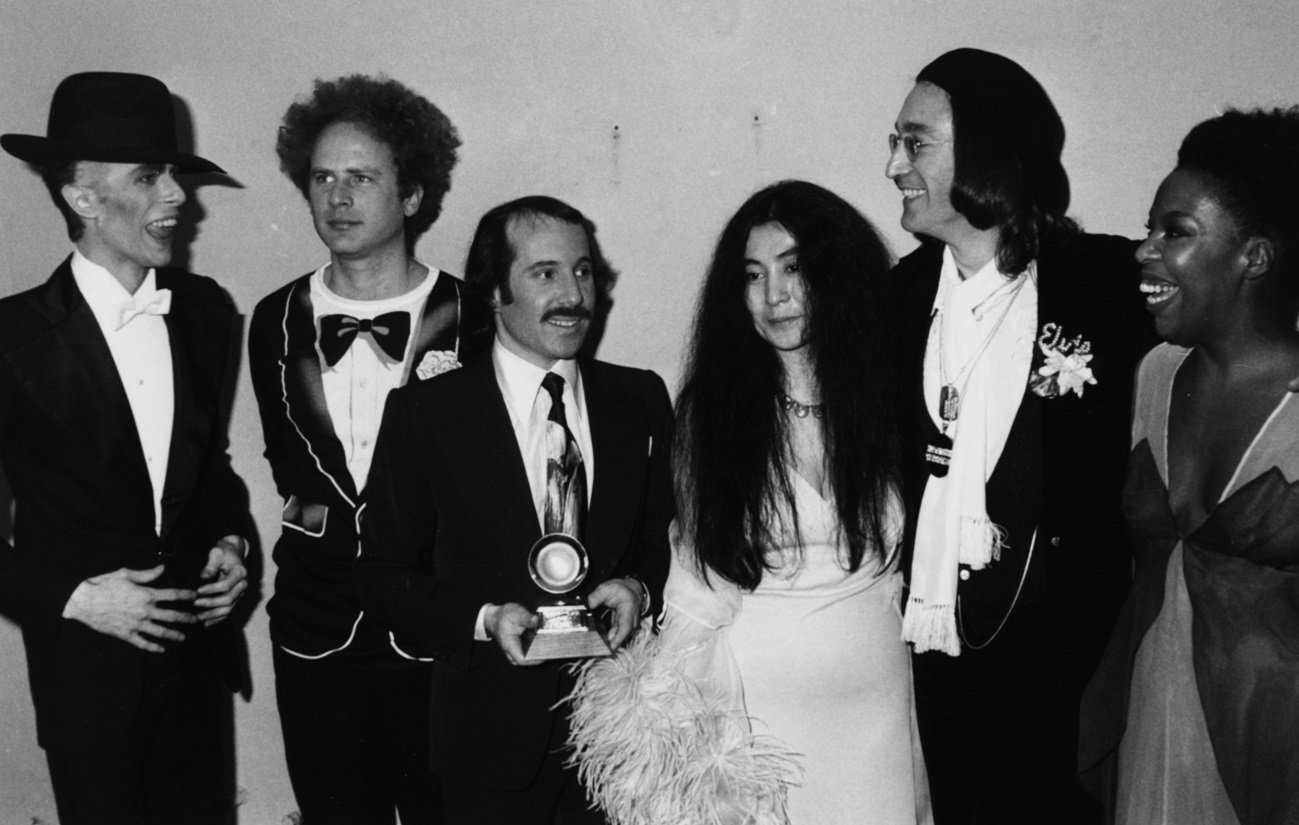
651, 747
931, 627
981, 541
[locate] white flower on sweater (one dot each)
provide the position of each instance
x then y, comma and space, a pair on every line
436, 362
1066, 369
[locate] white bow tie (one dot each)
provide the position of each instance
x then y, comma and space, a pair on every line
158, 303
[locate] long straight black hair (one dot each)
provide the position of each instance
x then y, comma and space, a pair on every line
732, 441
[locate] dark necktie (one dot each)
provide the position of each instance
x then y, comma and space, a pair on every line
565, 470
389, 330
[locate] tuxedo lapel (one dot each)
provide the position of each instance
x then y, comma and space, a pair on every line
1061, 304
490, 463
197, 363
917, 313
70, 372
438, 330
304, 392
621, 455
1050, 310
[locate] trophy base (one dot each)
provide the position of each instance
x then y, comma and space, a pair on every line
566, 632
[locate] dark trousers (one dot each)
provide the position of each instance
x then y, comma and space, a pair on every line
555, 797
999, 728
175, 764
356, 742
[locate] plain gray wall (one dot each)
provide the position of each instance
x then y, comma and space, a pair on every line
655, 117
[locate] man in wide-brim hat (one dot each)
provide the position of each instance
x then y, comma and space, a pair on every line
127, 554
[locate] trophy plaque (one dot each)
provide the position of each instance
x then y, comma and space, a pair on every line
568, 630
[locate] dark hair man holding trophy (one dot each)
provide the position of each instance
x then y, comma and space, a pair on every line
525, 478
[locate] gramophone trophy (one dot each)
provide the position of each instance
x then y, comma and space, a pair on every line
568, 630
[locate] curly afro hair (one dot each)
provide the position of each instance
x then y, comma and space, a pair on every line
422, 139
1252, 156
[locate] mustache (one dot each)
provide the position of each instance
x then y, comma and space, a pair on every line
579, 313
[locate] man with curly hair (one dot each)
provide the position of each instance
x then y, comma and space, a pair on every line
373, 160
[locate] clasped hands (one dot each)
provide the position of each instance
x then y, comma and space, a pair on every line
506, 623
121, 603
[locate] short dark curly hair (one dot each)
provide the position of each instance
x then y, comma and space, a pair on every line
1252, 158
422, 139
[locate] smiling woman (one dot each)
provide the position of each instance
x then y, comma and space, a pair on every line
1190, 719
1193, 245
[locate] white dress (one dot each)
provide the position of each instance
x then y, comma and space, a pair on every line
812, 660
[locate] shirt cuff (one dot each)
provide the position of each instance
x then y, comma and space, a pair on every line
480, 625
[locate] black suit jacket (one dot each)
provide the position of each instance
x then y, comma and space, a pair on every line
84, 502
1062, 471
448, 526
315, 611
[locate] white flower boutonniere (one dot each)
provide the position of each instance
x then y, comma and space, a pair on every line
436, 362
1066, 367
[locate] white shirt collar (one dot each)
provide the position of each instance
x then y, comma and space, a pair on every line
365, 308
520, 379
979, 286
103, 292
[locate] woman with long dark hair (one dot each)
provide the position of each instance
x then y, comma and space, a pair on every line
782, 614
1197, 701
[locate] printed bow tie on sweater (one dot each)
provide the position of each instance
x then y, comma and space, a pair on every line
389, 330
157, 302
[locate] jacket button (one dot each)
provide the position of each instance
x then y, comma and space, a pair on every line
1055, 541
965, 575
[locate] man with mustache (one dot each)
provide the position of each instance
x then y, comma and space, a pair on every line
127, 556
464, 484
373, 160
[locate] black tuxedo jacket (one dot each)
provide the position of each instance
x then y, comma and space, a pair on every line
1061, 474
448, 526
84, 503
315, 611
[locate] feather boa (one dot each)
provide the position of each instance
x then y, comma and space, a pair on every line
655, 748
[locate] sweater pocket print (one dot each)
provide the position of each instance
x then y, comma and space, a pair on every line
305, 517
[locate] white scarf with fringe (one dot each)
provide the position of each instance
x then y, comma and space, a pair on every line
954, 528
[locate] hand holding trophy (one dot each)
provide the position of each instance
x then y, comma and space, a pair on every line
568, 630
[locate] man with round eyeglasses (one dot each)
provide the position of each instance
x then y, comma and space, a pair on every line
1018, 335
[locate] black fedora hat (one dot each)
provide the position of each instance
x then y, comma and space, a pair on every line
111, 117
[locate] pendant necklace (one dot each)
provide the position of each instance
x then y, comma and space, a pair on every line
938, 452
801, 410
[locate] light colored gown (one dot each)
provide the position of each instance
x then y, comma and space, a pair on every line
824, 670
1200, 686
809, 668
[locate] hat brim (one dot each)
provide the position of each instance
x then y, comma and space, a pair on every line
40, 151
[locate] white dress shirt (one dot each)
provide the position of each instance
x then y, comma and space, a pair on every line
995, 380
357, 387
528, 402
142, 353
